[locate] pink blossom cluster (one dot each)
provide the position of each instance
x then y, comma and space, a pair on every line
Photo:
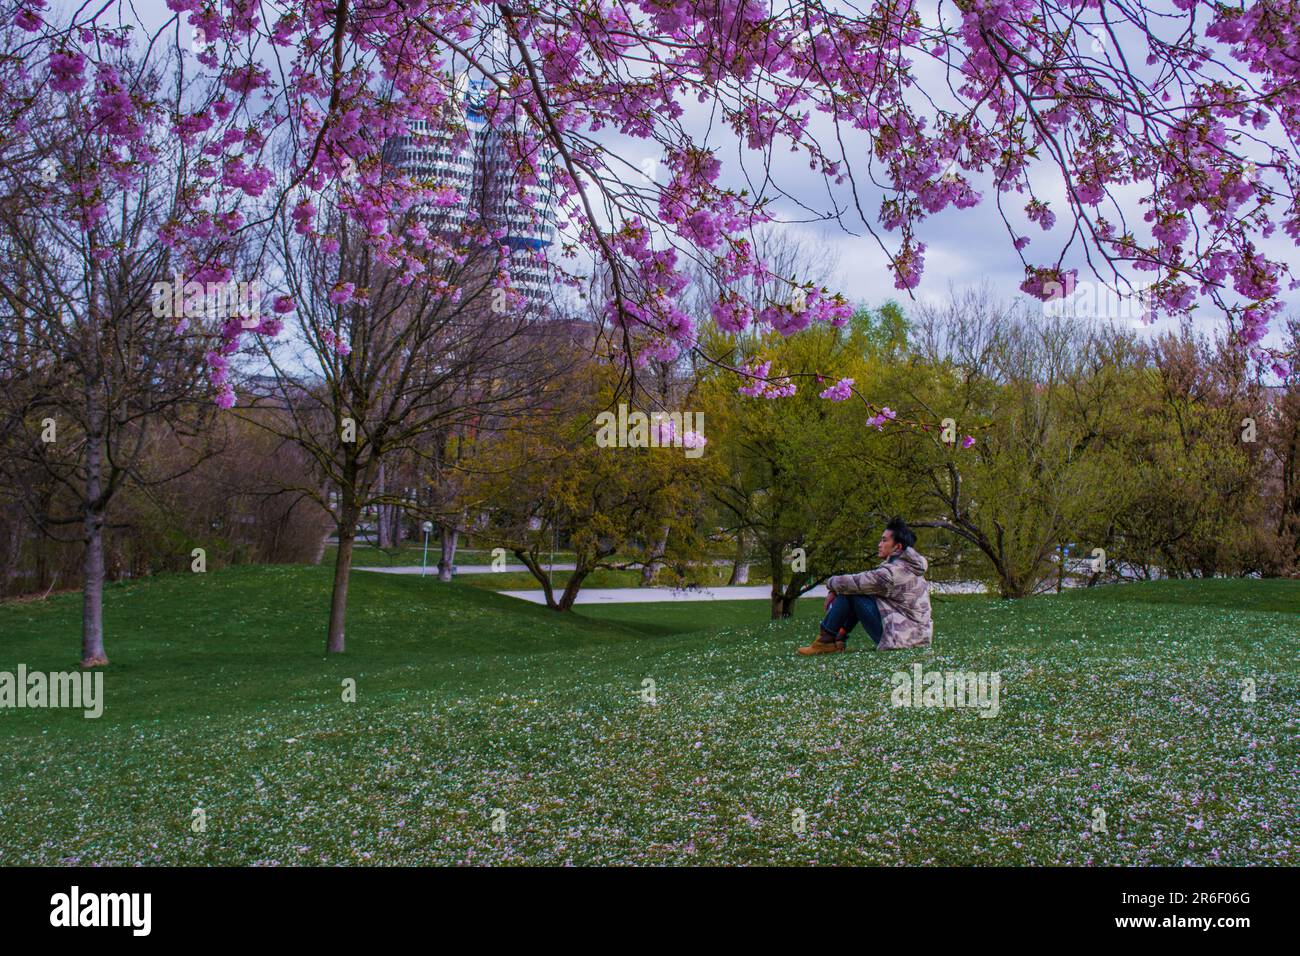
879, 419
840, 391
762, 384
667, 434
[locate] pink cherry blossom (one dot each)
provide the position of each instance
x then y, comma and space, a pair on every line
760, 385
840, 391
67, 71
1151, 176
342, 293
878, 420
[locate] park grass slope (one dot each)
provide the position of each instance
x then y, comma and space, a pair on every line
473, 709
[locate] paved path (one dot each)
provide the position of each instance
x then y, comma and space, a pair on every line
460, 569
752, 592
478, 568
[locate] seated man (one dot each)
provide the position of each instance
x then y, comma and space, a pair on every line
892, 603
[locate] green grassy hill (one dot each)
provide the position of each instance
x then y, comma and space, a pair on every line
1125, 700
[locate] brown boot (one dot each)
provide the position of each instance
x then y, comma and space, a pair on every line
823, 644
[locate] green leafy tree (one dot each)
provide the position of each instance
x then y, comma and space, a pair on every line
1032, 396
801, 476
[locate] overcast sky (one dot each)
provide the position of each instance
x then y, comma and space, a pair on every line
964, 247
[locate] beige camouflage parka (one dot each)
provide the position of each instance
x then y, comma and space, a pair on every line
901, 592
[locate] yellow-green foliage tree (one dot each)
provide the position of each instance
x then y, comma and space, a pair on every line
1036, 401
549, 482
1198, 466
803, 477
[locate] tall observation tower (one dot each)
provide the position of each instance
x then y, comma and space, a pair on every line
483, 173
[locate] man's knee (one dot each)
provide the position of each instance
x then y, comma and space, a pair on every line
866, 604
867, 611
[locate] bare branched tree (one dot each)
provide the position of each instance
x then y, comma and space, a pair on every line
90, 375
378, 369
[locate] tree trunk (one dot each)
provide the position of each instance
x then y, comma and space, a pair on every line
654, 559
43, 568
535, 569
325, 535
447, 558
335, 641
382, 513
13, 551
398, 514
571, 590
319, 555
1011, 586
740, 564
777, 564
92, 592
791, 593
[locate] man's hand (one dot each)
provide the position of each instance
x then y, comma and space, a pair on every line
830, 596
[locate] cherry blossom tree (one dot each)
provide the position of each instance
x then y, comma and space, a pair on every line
103, 348
1136, 139
389, 362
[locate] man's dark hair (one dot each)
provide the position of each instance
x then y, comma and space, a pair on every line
902, 533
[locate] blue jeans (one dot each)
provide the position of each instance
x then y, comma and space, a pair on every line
849, 609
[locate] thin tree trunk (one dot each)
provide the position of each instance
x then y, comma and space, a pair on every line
325, 535
1011, 585
13, 552
335, 642
43, 567
535, 569
447, 558
399, 525
92, 592
778, 575
381, 513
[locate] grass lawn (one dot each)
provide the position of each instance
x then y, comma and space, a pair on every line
411, 555
1121, 699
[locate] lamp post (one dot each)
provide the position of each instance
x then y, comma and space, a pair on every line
426, 527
